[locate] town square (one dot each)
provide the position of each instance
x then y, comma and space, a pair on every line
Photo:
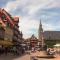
29, 30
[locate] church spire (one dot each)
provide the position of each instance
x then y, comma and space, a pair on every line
40, 27
40, 24
40, 34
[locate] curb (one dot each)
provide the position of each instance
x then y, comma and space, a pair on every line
48, 56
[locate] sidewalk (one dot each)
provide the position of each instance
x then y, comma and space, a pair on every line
41, 54
37, 53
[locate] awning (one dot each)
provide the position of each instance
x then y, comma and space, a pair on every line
57, 45
6, 43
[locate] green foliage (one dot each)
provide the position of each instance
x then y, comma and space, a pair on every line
50, 43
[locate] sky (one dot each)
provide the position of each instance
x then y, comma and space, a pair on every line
30, 12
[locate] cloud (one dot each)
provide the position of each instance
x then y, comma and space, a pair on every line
12, 5
48, 27
31, 5
30, 13
51, 27
27, 26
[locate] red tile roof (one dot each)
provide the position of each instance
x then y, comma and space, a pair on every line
16, 19
8, 18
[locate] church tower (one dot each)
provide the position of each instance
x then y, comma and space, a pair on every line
40, 36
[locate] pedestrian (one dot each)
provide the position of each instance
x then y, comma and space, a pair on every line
6, 50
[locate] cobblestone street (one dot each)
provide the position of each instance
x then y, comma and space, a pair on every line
26, 57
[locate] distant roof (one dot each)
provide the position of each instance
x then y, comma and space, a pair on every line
33, 37
52, 35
